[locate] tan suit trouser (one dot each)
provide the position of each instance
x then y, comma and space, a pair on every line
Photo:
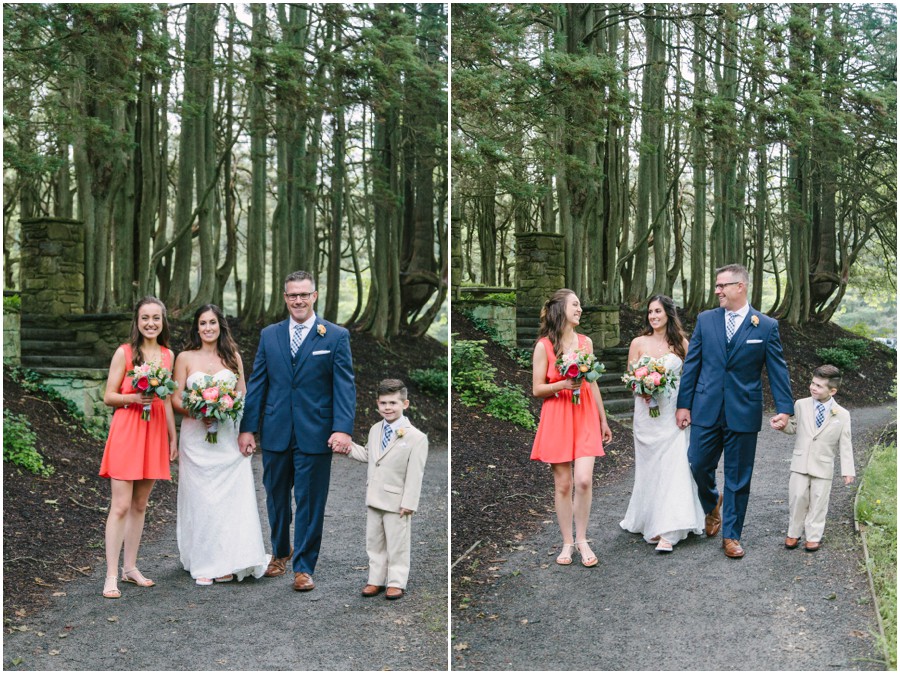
387, 544
808, 502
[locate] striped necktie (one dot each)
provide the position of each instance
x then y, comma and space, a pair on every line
820, 414
386, 438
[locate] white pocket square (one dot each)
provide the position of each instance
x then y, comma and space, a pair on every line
754, 341
320, 353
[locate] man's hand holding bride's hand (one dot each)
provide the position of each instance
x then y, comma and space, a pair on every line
246, 443
683, 417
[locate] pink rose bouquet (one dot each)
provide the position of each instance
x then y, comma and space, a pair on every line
213, 399
580, 366
152, 379
649, 376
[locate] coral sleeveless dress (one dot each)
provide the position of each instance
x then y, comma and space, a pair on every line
567, 431
137, 449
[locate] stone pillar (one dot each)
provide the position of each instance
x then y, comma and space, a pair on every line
601, 324
12, 345
52, 267
456, 258
540, 271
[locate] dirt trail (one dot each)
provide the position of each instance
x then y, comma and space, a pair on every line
261, 624
776, 609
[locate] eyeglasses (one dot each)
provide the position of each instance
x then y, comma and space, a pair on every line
721, 286
293, 297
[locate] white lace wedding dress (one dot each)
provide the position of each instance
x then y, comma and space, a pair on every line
664, 500
218, 526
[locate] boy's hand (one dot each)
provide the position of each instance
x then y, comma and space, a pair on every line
406, 511
779, 421
848, 479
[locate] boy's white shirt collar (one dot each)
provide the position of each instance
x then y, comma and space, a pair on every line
402, 422
828, 403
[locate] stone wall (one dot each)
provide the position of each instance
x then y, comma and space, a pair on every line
601, 324
52, 267
502, 317
83, 386
105, 332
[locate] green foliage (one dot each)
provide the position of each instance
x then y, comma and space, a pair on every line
432, 379
841, 358
877, 509
12, 304
857, 347
473, 378
31, 381
18, 445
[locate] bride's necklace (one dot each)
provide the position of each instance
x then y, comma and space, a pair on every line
658, 348
210, 360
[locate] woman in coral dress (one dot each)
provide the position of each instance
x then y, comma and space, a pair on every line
219, 531
137, 451
569, 436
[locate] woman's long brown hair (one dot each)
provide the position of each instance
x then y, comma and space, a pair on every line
226, 347
553, 318
136, 338
674, 332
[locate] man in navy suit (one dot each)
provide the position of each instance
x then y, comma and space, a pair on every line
721, 397
301, 397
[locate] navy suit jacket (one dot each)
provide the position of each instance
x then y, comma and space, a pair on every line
303, 403
715, 382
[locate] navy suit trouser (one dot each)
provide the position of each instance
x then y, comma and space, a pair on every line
308, 475
706, 448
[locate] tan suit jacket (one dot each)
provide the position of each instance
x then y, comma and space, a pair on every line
395, 479
816, 448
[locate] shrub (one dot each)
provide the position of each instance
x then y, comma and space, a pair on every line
473, 378
432, 379
841, 358
857, 347
18, 445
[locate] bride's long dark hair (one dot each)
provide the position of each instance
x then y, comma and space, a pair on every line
225, 344
674, 332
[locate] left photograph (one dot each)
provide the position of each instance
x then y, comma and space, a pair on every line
225, 328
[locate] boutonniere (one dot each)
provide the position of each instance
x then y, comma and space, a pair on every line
754, 320
401, 432
321, 330
833, 412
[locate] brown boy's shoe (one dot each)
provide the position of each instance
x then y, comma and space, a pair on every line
372, 590
791, 543
733, 548
393, 593
812, 546
277, 566
303, 582
714, 519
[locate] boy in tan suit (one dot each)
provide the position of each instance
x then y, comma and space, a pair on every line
396, 454
823, 430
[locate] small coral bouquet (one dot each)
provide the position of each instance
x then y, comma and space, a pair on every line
649, 376
580, 366
150, 379
212, 399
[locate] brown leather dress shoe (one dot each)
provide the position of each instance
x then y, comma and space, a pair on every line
372, 590
733, 548
303, 582
714, 519
791, 543
393, 593
277, 566
812, 546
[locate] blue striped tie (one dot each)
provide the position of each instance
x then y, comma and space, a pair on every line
386, 438
820, 414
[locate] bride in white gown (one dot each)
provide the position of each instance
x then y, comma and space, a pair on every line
664, 505
218, 527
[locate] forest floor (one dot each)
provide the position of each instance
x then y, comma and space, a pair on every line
53, 527
503, 516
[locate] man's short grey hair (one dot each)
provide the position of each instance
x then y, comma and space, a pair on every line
738, 270
295, 276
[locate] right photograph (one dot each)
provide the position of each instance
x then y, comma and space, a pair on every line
673, 336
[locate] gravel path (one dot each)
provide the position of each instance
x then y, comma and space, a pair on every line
776, 609
261, 624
